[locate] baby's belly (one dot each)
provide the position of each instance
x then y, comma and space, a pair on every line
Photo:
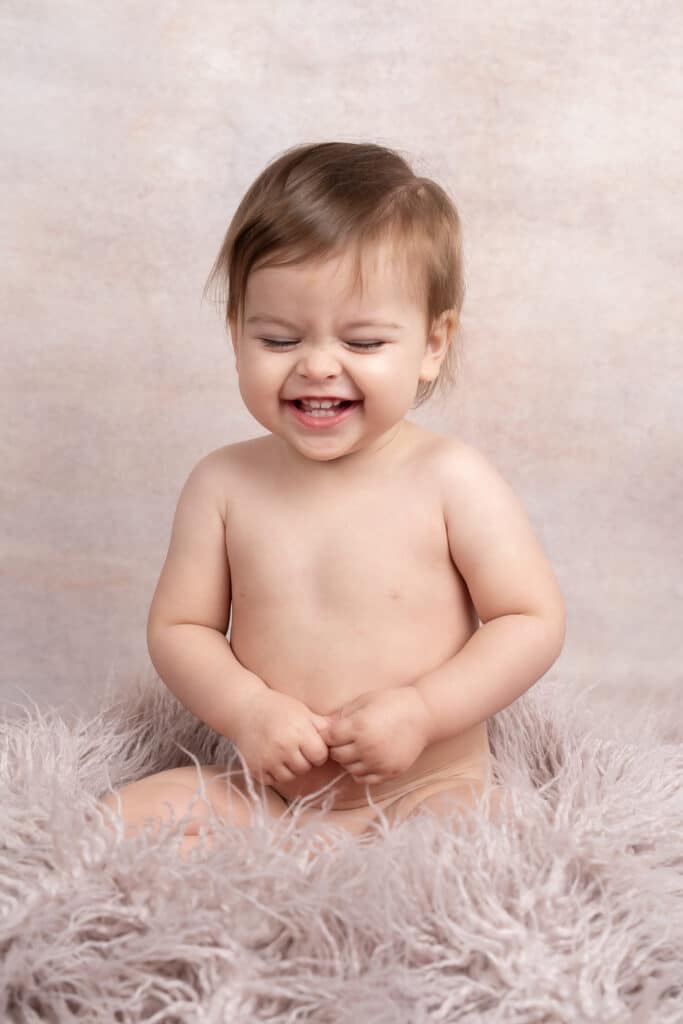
329, 675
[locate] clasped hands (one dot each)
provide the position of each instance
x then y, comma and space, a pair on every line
379, 735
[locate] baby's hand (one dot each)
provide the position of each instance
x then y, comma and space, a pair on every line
379, 735
279, 737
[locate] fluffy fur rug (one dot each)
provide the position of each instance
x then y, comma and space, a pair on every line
570, 910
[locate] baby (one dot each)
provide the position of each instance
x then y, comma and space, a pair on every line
388, 593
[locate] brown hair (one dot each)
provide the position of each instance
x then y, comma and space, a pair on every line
315, 201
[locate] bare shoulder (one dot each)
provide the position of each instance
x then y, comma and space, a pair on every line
451, 459
222, 469
474, 490
230, 456
459, 462
445, 461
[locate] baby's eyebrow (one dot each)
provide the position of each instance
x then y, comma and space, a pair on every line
263, 318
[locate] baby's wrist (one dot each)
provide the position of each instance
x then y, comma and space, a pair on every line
427, 719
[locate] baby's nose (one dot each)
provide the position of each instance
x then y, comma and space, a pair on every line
318, 361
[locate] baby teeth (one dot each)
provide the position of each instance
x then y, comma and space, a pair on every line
320, 407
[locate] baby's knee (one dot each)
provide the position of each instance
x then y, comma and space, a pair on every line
158, 801
148, 803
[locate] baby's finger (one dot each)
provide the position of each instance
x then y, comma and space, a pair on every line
344, 754
350, 749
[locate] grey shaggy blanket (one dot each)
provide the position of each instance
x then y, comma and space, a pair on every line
570, 909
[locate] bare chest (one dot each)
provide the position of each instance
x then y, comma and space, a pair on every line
333, 596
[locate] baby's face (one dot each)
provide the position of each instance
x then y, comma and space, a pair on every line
320, 354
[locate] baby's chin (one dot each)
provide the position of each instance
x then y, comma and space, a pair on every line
335, 452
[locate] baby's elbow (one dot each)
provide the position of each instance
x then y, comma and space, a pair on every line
554, 615
555, 622
551, 616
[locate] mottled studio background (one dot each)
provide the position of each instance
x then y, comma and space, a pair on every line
130, 132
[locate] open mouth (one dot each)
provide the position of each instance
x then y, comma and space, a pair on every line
322, 417
337, 407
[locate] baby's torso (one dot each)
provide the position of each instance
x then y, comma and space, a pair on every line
346, 590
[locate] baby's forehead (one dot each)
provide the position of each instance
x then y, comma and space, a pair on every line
378, 280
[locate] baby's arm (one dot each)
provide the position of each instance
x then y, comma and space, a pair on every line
514, 591
190, 610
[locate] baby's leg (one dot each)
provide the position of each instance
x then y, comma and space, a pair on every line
171, 794
443, 798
